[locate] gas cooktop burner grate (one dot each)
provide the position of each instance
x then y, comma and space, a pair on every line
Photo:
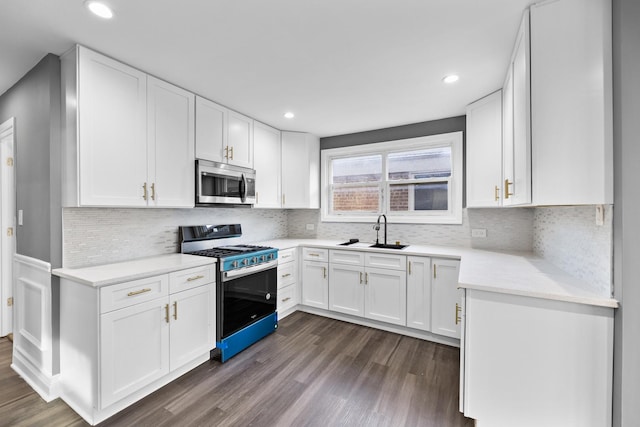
225, 251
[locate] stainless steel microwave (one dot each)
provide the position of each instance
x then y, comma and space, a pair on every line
220, 183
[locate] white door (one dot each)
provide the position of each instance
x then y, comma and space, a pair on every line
7, 222
446, 298
315, 284
386, 295
419, 293
112, 101
211, 130
190, 326
171, 147
346, 289
134, 348
240, 140
266, 162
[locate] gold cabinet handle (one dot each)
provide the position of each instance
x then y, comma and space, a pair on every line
409, 267
458, 310
175, 310
166, 313
361, 277
141, 291
286, 275
153, 191
366, 278
257, 202
312, 254
231, 151
191, 279
226, 152
286, 299
434, 270
144, 193
283, 200
496, 193
506, 188
324, 272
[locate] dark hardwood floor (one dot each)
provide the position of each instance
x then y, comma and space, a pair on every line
313, 371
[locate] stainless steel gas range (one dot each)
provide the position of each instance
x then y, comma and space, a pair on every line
246, 286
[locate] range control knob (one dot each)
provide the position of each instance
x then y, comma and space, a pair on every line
234, 264
245, 261
263, 258
254, 260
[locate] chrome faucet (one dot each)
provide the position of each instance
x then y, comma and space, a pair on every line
377, 228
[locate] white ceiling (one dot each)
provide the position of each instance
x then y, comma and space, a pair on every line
341, 66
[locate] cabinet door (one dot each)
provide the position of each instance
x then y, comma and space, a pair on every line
192, 333
134, 344
386, 295
446, 298
507, 139
521, 175
315, 284
239, 140
287, 299
112, 105
211, 130
484, 152
419, 293
300, 170
266, 146
171, 147
346, 289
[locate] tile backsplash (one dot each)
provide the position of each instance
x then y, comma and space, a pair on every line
507, 229
98, 236
568, 237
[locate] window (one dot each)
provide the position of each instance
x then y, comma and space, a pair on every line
416, 180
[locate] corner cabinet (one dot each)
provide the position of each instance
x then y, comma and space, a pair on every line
121, 342
300, 170
128, 137
222, 135
419, 293
446, 298
267, 163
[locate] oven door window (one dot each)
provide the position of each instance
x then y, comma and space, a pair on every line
248, 299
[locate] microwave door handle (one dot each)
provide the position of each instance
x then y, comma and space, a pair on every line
243, 188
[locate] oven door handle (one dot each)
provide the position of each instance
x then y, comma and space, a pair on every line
246, 271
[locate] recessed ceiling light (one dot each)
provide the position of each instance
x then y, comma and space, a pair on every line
100, 9
451, 78
289, 115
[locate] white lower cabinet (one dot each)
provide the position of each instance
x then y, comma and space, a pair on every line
374, 293
287, 282
120, 342
445, 309
315, 284
419, 293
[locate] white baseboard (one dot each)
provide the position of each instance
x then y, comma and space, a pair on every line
46, 386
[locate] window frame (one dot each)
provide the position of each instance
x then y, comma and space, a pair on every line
451, 216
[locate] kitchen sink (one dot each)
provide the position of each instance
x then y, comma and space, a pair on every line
387, 246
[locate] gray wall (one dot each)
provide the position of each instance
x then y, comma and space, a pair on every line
434, 127
34, 101
626, 114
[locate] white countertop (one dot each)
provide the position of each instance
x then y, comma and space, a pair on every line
504, 272
108, 274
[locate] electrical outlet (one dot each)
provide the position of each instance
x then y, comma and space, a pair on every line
478, 232
311, 227
599, 215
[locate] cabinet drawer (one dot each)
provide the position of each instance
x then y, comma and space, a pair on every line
286, 255
315, 254
394, 262
191, 278
287, 298
286, 274
346, 257
135, 292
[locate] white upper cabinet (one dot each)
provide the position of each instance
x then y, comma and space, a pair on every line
571, 102
107, 152
300, 170
484, 152
211, 130
171, 146
267, 160
128, 137
223, 135
517, 123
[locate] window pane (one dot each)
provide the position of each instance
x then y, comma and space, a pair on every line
357, 169
431, 196
356, 199
429, 163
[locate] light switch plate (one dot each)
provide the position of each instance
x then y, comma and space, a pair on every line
478, 232
19, 216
